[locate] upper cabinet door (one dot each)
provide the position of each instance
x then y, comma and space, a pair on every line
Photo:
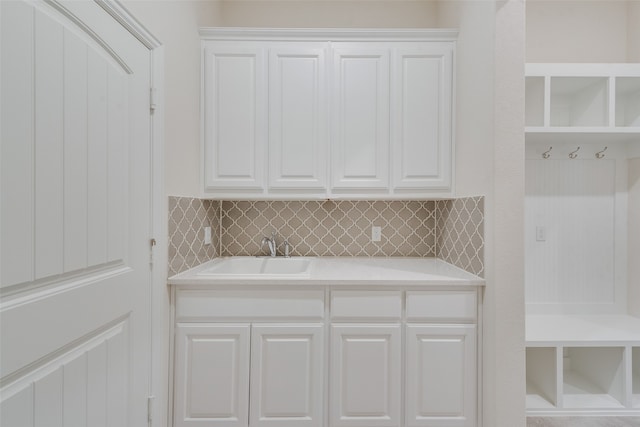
422, 116
360, 118
297, 117
234, 117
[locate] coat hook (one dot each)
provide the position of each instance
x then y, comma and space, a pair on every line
600, 154
547, 153
574, 154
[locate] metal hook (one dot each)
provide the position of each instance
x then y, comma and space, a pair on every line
574, 154
600, 154
547, 153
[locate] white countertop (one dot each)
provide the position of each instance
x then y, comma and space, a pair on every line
348, 271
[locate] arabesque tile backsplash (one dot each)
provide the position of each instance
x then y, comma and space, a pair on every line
449, 229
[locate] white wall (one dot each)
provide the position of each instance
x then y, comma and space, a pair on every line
490, 161
337, 14
175, 24
577, 31
633, 31
489, 157
634, 236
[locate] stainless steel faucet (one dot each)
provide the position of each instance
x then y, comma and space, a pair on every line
271, 242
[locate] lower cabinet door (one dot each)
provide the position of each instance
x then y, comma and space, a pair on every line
441, 376
287, 372
212, 375
365, 375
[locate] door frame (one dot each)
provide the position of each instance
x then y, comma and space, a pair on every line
159, 310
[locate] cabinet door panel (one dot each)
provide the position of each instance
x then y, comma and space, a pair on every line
212, 375
441, 376
234, 117
297, 117
422, 93
287, 375
365, 363
360, 147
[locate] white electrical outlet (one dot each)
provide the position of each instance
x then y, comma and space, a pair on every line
541, 233
376, 233
207, 235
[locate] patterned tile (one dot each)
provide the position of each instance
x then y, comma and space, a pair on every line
330, 228
450, 229
460, 238
187, 219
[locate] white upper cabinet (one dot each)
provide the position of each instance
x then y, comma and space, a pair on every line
360, 117
315, 114
234, 121
421, 121
297, 117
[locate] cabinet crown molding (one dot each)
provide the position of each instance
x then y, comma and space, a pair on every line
329, 34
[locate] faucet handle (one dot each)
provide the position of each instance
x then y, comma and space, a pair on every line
287, 248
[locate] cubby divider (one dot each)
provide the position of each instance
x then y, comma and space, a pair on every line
542, 381
635, 377
628, 101
534, 99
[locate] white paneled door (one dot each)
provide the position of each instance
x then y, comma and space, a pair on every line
234, 118
286, 375
212, 383
360, 146
75, 217
297, 117
441, 376
366, 368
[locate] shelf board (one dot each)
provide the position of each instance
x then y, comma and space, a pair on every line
582, 393
581, 69
583, 129
582, 135
582, 330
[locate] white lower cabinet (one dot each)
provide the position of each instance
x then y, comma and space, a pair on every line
441, 376
286, 375
213, 384
212, 375
281, 358
365, 375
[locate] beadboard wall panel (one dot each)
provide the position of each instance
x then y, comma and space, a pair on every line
570, 234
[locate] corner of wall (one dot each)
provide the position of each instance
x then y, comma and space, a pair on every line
187, 219
460, 233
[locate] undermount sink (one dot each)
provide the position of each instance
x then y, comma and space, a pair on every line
259, 267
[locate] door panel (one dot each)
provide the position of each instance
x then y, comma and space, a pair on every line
17, 138
83, 386
75, 219
234, 117
441, 376
422, 117
212, 378
365, 363
287, 375
360, 147
297, 117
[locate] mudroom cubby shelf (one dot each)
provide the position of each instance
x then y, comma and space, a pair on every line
582, 98
583, 364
